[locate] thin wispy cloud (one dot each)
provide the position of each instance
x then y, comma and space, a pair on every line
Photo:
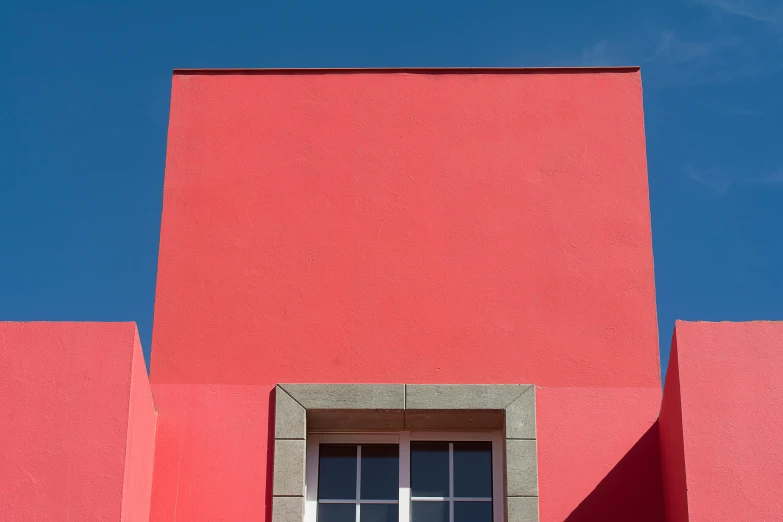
721, 48
600, 54
769, 12
673, 50
714, 179
740, 111
774, 177
719, 58
719, 181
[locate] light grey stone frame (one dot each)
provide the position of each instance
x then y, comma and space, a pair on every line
395, 407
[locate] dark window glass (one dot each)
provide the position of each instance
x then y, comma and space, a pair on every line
379, 512
429, 512
473, 469
430, 469
336, 512
380, 472
472, 512
337, 472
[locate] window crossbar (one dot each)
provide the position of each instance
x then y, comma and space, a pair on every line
354, 501
455, 499
405, 498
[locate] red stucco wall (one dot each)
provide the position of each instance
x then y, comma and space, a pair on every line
732, 405
672, 445
598, 455
404, 227
140, 445
385, 217
212, 453
66, 400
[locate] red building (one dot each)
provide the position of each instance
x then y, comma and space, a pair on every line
414, 295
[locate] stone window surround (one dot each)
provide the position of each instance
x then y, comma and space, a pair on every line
395, 407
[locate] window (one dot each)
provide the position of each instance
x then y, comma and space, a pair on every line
404, 416
408, 476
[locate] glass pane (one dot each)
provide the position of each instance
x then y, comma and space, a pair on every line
473, 469
379, 512
337, 471
430, 469
380, 472
472, 512
429, 512
336, 512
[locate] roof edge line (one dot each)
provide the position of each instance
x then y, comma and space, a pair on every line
412, 70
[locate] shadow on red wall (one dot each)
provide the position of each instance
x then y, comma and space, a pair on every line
270, 455
631, 491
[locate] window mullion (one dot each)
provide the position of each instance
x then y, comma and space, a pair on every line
451, 482
358, 481
404, 500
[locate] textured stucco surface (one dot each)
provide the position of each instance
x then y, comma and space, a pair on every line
140, 445
675, 488
596, 457
69, 451
731, 399
388, 217
211, 454
402, 228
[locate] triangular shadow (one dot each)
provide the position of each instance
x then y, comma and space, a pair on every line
632, 491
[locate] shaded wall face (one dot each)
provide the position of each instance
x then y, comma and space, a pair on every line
419, 228
67, 392
140, 442
731, 409
675, 489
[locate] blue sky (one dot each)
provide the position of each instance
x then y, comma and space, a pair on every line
84, 99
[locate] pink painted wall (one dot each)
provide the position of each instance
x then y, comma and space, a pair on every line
388, 216
212, 453
68, 391
731, 398
598, 455
140, 445
405, 227
672, 445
